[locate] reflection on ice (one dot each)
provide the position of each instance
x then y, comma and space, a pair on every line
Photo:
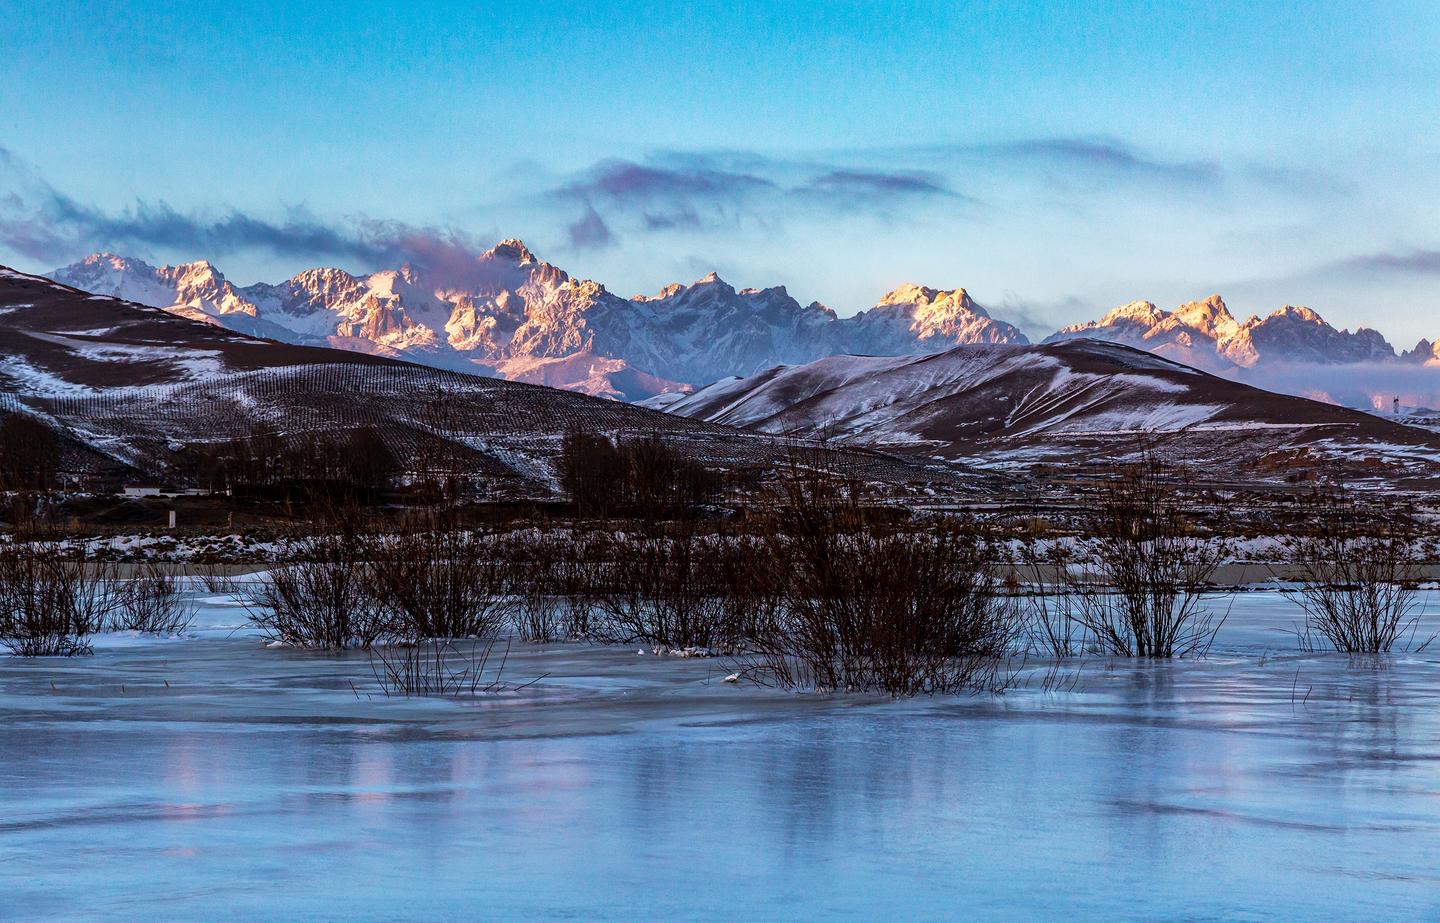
186, 777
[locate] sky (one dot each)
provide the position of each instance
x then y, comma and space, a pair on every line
1055, 159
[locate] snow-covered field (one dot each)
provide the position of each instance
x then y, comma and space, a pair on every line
211, 777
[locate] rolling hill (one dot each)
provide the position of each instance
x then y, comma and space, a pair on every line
131, 388
1074, 404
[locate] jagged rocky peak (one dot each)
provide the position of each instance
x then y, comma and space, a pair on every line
113, 261
1209, 315
668, 291
911, 294
514, 249
1204, 333
1144, 311
932, 318
1298, 313
1424, 351
321, 279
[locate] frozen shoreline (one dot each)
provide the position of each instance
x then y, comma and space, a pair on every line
173, 777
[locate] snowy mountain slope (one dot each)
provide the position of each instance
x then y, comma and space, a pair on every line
1205, 334
508, 314
134, 385
1071, 403
513, 315
1425, 352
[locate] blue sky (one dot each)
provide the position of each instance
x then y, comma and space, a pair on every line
1056, 159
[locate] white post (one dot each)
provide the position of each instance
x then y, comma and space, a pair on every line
172, 519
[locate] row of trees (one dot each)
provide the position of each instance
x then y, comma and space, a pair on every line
29, 454
267, 464
641, 476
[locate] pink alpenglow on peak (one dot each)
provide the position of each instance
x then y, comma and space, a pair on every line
1206, 335
508, 313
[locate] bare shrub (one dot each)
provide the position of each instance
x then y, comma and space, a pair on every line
660, 589
577, 578
439, 668
1139, 587
534, 581
50, 603
220, 584
1051, 626
151, 601
1359, 576
321, 599
898, 613
440, 580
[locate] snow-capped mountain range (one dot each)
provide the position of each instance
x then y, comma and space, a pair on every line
521, 318
134, 391
512, 315
1204, 334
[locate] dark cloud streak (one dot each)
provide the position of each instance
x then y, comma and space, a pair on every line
1411, 262
688, 191
40, 222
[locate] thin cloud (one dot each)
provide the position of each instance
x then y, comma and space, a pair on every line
42, 223
1112, 156
1409, 262
590, 232
689, 191
846, 186
623, 180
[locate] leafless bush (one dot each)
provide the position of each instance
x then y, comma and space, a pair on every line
661, 589
50, 603
1139, 587
1359, 576
555, 580
898, 613
151, 601
219, 583
535, 584
321, 599
440, 580
439, 668
1051, 626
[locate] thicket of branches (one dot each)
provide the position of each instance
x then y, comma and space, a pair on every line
29, 454
438, 579
639, 475
1138, 585
837, 602
1359, 580
322, 597
50, 604
357, 465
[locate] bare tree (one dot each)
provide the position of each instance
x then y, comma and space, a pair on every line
29, 453
322, 596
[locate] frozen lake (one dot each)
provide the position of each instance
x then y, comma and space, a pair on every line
209, 777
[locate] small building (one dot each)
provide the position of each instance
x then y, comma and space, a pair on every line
155, 490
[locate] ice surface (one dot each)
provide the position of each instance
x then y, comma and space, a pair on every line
209, 777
